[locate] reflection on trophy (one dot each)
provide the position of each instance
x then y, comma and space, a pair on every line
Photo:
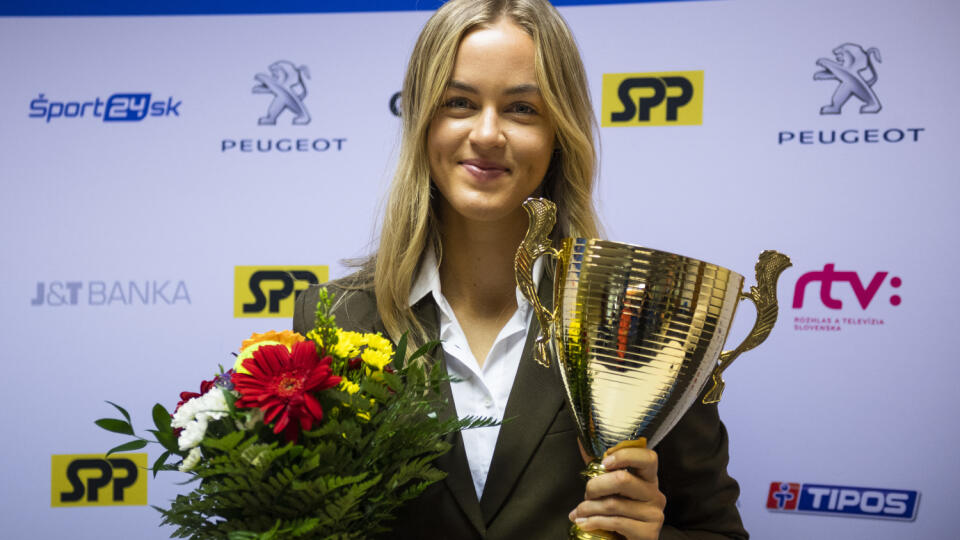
638, 333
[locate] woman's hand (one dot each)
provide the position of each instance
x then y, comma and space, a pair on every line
626, 499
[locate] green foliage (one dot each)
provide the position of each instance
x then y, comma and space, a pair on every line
325, 322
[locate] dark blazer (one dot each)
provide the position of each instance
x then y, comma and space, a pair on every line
534, 478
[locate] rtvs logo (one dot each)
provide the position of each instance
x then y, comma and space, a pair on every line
652, 99
271, 291
92, 480
828, 276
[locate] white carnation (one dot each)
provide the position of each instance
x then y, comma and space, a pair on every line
194, 415
191, 460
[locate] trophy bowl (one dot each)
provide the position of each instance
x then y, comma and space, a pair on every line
638, 333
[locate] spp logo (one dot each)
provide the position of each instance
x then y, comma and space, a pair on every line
843, 500
122, 107
96, 480
271, 291
652, 99
863, 291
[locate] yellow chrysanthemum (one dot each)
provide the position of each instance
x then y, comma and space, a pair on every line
247, 348
375, 358
349, 387
348, 344
379, 343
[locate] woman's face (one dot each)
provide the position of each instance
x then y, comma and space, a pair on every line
491, 141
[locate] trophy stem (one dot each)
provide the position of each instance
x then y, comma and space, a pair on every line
594, 469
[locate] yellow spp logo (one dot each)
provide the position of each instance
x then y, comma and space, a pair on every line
95, 480
652, 99
270, 291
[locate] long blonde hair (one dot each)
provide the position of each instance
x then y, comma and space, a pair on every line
410, 221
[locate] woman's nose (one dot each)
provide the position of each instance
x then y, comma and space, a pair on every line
487, 131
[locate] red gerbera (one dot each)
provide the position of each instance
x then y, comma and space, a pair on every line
281, 384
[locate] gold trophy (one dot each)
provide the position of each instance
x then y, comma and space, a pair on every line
638, 332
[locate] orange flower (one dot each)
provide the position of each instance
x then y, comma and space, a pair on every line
285, 337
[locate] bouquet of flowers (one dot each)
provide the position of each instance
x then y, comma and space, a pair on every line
306, 437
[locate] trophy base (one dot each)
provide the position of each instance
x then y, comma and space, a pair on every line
594, 469
578, 534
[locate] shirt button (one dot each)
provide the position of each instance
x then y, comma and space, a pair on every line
488, 403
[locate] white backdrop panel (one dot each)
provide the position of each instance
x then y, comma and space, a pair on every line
159, 201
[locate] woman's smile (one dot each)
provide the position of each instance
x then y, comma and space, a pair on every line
484, 170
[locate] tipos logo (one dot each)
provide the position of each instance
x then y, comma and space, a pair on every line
847, 501
270, 291
652, 99
96, 480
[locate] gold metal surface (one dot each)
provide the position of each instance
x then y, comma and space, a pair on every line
637, 332
543, 215
764, 296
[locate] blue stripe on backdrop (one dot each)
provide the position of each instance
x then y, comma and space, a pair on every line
34, 8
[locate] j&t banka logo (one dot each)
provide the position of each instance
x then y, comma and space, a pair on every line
125, 107
865, 291
286, 84
652, 99
111, 293
271, 291
96, 480
854, 71
843, 500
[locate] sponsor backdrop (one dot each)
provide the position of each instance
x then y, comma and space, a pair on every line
173, 176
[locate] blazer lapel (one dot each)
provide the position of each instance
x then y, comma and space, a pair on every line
459, 480
535, 399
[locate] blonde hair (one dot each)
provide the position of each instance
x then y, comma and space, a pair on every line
410, 221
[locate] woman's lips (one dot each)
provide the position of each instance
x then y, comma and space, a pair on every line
483, 170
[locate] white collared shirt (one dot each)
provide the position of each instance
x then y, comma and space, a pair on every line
481, 391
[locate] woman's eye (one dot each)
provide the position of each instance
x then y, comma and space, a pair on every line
457, 103
523, 108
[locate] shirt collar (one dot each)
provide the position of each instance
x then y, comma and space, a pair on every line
428, 279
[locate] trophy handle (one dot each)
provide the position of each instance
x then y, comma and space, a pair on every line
543, 216
764, 297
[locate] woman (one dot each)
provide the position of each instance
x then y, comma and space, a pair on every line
496, 109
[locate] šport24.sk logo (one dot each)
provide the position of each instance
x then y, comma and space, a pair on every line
843, 500
123, 107
652, 99
864, 291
